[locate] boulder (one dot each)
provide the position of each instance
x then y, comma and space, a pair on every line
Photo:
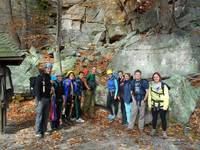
76, 12
101, 95
183, 98
22, 73
168, 54
67, 64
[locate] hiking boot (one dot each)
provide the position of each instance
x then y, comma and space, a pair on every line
153, 132
165, 135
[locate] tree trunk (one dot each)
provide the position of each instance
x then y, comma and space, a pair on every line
57, 56
11, 21
25, 23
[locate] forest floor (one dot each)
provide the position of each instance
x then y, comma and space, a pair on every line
95, 134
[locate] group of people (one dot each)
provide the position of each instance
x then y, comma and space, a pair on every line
134, 94
67, 99
63, 100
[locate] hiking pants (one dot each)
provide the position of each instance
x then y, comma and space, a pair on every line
138, 110
111, 102
128, 107
89, 102
123, 111
76, 113
163, 114
55, 124
68, 107
42, 115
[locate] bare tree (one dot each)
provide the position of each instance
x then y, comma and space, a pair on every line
25, 22
13, 31
57, 56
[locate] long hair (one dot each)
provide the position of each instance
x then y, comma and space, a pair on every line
157, 73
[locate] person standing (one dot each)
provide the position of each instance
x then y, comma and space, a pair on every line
140, 93
43, 93
57, 102
158, 102
89, 103
70, 90
121, 96
81, 87
112, 101
128, 102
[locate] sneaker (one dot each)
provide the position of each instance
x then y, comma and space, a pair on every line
109, 117
46, 133
73, 119
80, 120
38, 135
112, 118
153, 132
164, 135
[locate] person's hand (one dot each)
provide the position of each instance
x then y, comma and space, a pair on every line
115, 97
149, 108
118, 98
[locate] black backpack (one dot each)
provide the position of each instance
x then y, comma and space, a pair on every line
163, 84
32, 85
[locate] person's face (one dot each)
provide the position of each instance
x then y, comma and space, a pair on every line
93, 70
71, 76
109, 76
48, 70
81, 75
127, 77
156, 78
137, 76
120, 74
59, 78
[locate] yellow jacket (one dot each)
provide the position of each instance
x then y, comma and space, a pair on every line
158, 98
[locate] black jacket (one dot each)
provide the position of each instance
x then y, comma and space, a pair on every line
43, 86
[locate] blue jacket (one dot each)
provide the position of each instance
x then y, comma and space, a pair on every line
112, 85
127, 91
67, 87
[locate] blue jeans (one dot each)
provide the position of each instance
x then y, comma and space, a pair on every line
128, 107
42, 115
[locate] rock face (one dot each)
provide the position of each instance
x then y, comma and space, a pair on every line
175, 53
167, 54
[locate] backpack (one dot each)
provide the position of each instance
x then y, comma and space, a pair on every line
162, 87
32, 85
141, 82
91, 83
